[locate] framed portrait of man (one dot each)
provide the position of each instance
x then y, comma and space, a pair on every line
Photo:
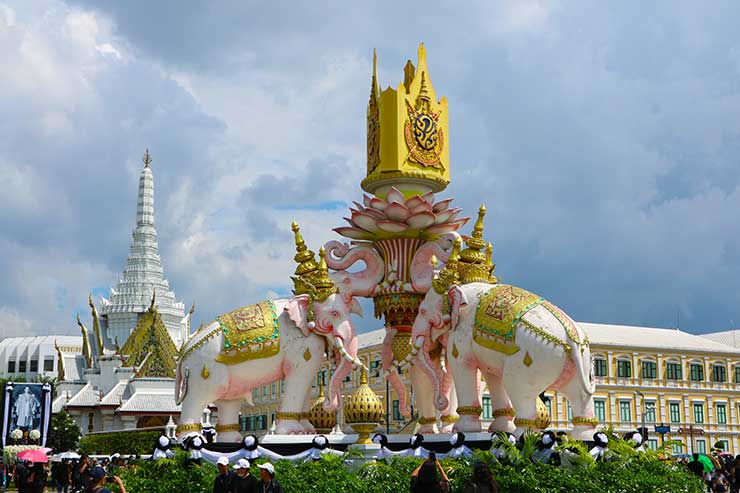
27, 408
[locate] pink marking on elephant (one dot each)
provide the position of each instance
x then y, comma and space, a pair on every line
566, 374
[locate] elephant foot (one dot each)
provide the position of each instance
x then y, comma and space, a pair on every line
502, 424
447, 422
229, 437
288, 427
467, 424
426, 429
308, 428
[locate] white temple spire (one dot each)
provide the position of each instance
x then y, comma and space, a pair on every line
143, 274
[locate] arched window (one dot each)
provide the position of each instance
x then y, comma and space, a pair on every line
648, 369
673, 370
624, 367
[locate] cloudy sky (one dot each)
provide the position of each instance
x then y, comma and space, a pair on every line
604, 139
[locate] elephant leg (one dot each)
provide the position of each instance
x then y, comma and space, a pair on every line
308, 428
582, 405
449, 416
228, 420
289, 416
525, 383
467, 386
503, 411
191, 413
424, 400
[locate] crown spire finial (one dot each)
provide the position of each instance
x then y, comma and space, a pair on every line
147, 159
473, 259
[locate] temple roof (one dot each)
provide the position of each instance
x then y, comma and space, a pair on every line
149, 348
87, 397
150, 401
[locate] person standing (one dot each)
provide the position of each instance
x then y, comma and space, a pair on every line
98, 479
60, 476
482, 480
425, 479
222, 483
20, 478
243, 481
268, 483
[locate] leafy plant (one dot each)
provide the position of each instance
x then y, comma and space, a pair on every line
123, 442
64, 434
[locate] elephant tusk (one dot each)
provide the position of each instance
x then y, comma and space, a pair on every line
338, 342
418, 342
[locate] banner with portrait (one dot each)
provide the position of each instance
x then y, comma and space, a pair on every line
27, 413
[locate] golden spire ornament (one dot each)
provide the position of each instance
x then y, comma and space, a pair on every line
363, 409
450, 274
311, 278
147, 159
473, 260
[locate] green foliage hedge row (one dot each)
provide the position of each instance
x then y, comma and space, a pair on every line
123, 442
636, 473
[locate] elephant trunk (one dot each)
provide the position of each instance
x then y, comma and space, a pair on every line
422, 270
340, 257
440, 401
346, 363
395, 380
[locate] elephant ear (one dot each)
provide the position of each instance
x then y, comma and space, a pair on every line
457, 301
298, 312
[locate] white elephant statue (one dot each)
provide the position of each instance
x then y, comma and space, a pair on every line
259, 344
521, 344
377, 277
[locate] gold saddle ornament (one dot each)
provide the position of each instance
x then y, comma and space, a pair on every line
499, 311
249, 333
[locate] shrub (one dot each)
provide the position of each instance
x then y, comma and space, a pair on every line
123, 442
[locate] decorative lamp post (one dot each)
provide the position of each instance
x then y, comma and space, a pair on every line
363, 410
170, 428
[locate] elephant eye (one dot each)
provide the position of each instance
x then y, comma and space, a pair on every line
335, 313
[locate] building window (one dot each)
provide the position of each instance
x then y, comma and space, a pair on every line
675, 412
273, 390
255, 394
22, 366
600, 410
282, 386
48, 364
677, 447
624, 368
243, 423
698, 412
568, 411
721, 414
649, 369
696, 372
487, 412
34, 366
625, 411
719, 373
264, 392
548, 405
673, 371
375, 368
11, 366
652, 444
737, 374
723, 444
90, 422
649, 411
701, 446
396, 412
599, 367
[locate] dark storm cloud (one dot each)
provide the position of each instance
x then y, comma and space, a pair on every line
602, 137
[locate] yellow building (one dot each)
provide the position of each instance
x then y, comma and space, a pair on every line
643, 376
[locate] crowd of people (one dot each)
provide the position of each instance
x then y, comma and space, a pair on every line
238, 479
720, 473
430, 477
85, 475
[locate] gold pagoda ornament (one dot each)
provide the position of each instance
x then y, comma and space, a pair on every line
473, 263
407, 129
363, 410
322, 420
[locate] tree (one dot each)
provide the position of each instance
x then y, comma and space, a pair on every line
64, 434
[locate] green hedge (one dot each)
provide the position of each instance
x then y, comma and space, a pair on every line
123, 442
633, 473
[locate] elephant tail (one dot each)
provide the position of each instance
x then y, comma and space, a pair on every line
582, 368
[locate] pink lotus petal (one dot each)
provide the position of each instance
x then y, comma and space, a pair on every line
354, 233
365, 221
423, 207
460, 222
414, 201
421, 220
441, 205
374, 213
366, 200
378, 204
397, 212
440, 229
359, 206
447, 215
395, 196
392, 227
349, 221
428, 197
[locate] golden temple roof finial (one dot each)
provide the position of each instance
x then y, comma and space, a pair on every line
374, 88
147, 159
473, 259
60, 365
86, 353
489, 264
311, 278
96, 325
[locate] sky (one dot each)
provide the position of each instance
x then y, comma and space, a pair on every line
603, 138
